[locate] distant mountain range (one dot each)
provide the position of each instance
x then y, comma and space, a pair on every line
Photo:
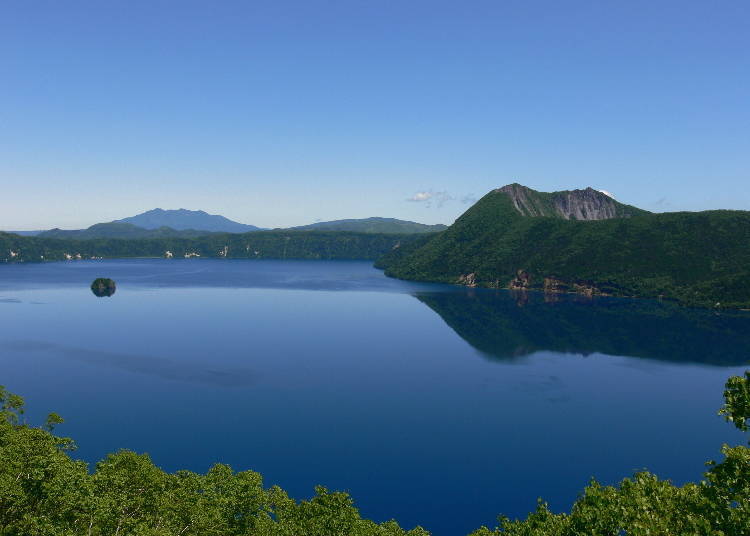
25, 233
120, 230
183, 219
160, 223
372, 225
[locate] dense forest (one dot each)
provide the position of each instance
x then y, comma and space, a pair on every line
253, 245
45, 492
696, 258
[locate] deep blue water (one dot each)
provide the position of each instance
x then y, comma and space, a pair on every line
431, 404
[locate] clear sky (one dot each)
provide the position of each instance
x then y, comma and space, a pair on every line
283, 113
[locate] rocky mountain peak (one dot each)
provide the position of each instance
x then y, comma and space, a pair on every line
586, 205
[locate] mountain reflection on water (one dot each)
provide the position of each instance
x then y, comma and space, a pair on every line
506, 325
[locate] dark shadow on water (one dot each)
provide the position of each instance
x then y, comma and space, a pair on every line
151, 366
505, 325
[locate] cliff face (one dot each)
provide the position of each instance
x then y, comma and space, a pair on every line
587, 205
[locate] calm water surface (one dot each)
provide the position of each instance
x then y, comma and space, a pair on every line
433, 405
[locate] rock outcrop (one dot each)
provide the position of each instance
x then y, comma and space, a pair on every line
522, 281
586, 205
470, 280
553, 285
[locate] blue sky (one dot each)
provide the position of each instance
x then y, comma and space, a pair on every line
283, 113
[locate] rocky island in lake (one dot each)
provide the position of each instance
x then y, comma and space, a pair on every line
103, 286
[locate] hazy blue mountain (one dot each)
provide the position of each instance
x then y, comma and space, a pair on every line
120, 230
25, 233
184, 219
372, 225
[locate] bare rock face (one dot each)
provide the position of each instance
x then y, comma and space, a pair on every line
588, 289
468, 279
586, 205
554, 285
522, 281
525, 200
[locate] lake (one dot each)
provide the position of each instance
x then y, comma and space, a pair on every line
431, 404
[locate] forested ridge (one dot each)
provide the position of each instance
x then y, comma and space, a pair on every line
373, 225
696, 258
45, 492
253, 245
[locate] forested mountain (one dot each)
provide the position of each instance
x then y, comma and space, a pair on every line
120, 230
184, 219
583, 241
160, 223
372, 225
24, 233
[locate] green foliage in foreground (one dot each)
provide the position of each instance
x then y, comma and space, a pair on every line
644, 505
43, 491
696, 258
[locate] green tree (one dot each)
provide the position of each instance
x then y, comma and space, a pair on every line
737, 401
44, 492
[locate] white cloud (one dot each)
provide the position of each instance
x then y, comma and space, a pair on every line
421, 196
608, 194
431, 197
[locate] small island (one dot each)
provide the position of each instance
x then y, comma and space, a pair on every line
103, 286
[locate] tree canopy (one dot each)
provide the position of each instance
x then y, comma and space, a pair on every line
44, 491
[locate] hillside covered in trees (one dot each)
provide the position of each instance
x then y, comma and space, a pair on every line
254, 245
585, 242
